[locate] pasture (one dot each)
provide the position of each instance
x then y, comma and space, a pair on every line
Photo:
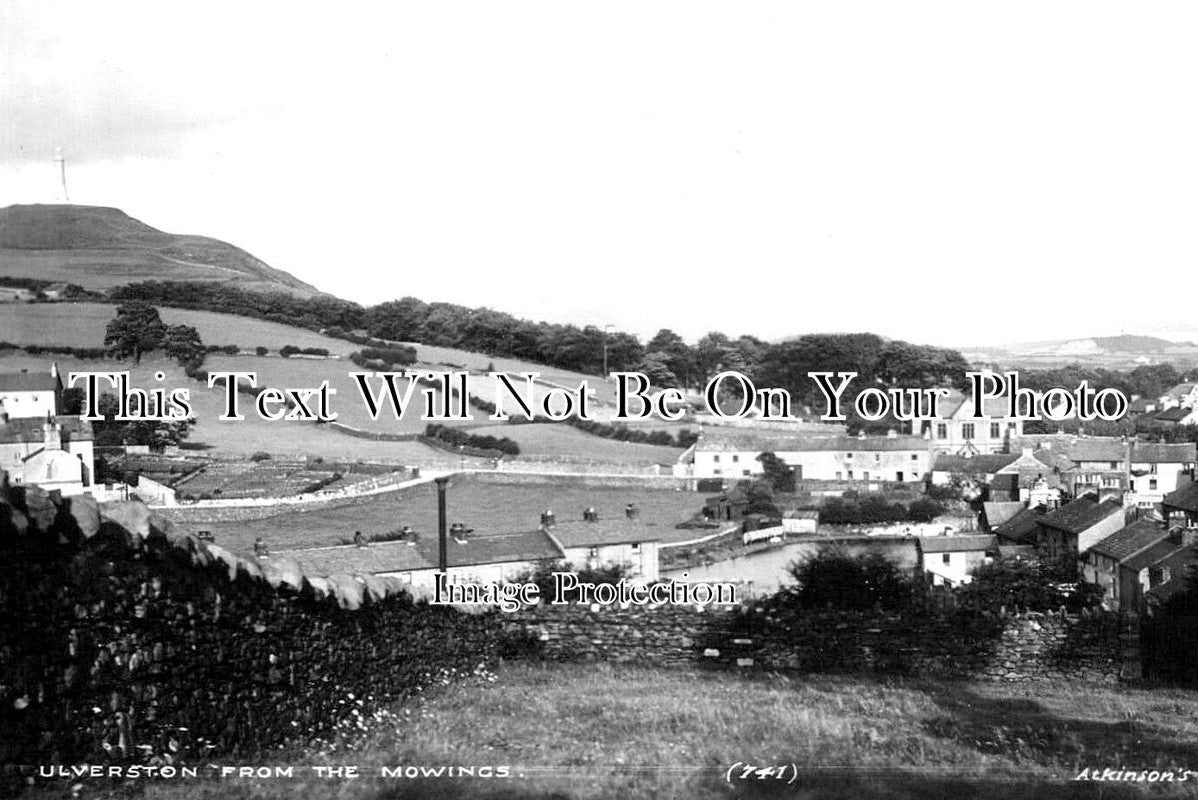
582, 731
488, 508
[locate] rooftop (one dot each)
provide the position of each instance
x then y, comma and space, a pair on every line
971, 543
28, 382
983, 464
1022, 527
1132, 539
603, 532
1185, 497
1082, 514
353, 560
31, 430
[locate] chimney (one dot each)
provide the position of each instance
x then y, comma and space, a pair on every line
53, 369
547, 519
891, 433
52, 435
1027, 452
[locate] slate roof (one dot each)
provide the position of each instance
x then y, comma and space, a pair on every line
494, 549
753, 441
1175, 414
603, 532
1154, 553
998, 513
1184, 497
1179, 391
28, 382
353, 560
1022, 527
30, 430
1131, 539
986, 464
1112, 449
1081, 515
973, 543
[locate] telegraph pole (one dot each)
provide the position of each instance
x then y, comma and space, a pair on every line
442, 532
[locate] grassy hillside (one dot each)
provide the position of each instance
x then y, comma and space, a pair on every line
99, 248
577, 732
83, 324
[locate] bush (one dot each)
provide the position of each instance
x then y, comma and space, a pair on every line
261, 455
1025, 585
832, 578
260, 350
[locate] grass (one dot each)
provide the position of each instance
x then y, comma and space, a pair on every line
549, 440
83, 325
486, 507
580, 732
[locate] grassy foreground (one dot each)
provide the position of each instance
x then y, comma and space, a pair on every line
597, 731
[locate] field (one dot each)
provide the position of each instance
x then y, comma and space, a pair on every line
584, 732
488, 508
83, 324
550, 440
248, 436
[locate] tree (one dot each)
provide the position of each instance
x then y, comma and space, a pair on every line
779, 474
136, 329
1027, 585
832, 578
182, 343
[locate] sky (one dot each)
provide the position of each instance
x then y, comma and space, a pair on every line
947, 173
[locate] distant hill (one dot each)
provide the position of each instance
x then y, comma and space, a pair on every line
98, 248
1119, 352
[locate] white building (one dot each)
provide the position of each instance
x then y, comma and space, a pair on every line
52, 453
950, 560
733, 455
956, 430
30, 395
619, 542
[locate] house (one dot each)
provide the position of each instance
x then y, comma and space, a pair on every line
55, 291
733, 453
53, 453
1184, 395
1108, 563
1074, 528
1143, 471
1034, 477
1180, 507
956, 430
1142, 405
493, 558
618, 542
30, 395
1021, 528
950, 560
969, 468
1177, 415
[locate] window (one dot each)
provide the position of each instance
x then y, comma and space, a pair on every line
838, 476
716, 472
848, 455
850, 474
716, 459
636, 547
995, 430
915, 456
877, 458
744, 472
941, 430
967, 430
1114, 465
1152, 483
865, 475
947, 558
735, 459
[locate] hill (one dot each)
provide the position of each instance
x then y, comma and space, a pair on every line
98, 248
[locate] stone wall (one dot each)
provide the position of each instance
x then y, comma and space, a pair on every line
120, 642
1023, 647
